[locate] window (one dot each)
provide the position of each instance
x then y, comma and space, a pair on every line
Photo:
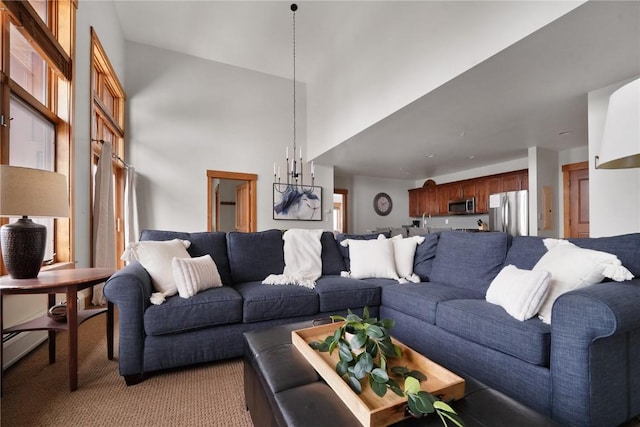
35, 106
107, 112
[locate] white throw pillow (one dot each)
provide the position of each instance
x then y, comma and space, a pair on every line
519, 292
372, 259
572, 267
404, 252
193, 275
155, 257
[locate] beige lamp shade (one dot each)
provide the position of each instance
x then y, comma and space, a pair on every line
32, 192
621, 138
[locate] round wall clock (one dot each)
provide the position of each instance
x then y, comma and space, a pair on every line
382, 204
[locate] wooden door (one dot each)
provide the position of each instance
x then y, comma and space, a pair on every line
243, 213
576, 199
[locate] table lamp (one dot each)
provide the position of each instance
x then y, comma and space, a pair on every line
28, 192
621, 138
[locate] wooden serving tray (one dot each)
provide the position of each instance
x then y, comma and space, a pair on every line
371, 409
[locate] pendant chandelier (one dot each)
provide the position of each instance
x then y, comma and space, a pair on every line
293, 165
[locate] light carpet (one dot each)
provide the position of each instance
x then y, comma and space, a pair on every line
37, 394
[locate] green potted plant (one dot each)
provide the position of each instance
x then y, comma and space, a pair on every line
363, 346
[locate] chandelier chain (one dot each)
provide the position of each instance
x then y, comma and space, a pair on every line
294, 83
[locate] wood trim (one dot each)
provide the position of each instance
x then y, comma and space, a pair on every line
32, 27
345, 198
251, 178
566, 193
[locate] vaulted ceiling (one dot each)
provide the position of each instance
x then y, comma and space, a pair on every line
533, 93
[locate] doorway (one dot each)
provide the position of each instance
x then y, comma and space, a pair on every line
340, 210
244, 205
575, 179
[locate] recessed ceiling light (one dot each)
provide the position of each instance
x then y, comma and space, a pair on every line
471, 157
565, 132
429, 156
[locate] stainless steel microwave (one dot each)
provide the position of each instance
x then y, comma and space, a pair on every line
462, 206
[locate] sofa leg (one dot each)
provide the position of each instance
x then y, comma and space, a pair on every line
134, 379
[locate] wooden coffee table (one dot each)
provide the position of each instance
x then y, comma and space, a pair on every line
68, 282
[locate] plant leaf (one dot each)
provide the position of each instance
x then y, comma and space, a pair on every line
417, 375
338, 318
345, 352
442, 406
366, 361
413, 407
363, 366
400, 370
423, 403
388, 323
379, 375
365, 313
387, 347
354, 384
411, 385
395, 387
342, 367
375, 331
378, 388
354, 318
359, 340
452, 416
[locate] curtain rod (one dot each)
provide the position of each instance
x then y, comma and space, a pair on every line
113, 155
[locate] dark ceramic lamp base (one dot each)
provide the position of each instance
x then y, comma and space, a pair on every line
23, 245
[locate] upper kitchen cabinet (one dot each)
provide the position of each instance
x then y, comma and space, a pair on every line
434, 199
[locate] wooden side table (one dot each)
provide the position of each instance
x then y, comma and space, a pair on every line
60, 281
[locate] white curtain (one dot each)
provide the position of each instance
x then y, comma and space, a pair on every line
104, 238
131, 229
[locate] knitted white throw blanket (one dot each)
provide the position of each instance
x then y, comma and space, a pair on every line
302, 259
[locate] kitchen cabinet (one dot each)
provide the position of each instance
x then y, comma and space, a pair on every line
434, 199
414, 202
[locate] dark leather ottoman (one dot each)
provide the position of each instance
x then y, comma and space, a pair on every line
282, 389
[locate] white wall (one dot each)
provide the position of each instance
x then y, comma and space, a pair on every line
361, 195
614, 194
543, 172
187, 115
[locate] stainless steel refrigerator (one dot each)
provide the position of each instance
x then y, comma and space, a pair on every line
509, 212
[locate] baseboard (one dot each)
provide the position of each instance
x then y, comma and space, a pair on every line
20, 345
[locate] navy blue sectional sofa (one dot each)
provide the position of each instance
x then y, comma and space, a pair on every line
581, 370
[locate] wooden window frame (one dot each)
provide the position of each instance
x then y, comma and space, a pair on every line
55, 43
104, 78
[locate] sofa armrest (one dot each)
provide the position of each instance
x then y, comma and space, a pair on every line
129, 289
594, 366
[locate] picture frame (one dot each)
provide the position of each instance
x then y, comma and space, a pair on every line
297, 202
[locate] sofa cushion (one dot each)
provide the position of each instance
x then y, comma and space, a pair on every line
192, 275
339, 293
254, 256
424, 256
519, 292
626, 247
489, 325
371, 258
525, 252
202, 243
215, 306
267, 302
420, 300
345, 250
469, 260
572, 267
155, 257
332, 260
